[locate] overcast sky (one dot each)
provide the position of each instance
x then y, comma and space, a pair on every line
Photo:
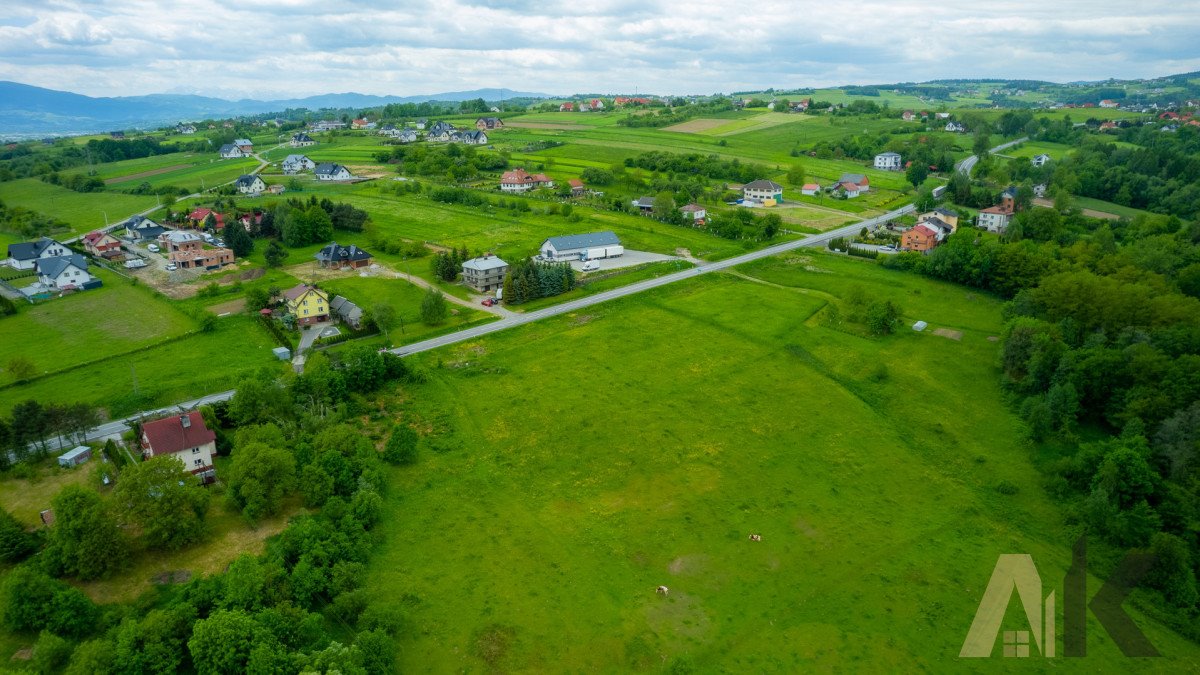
302, 47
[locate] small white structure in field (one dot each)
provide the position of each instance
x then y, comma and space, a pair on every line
920, 326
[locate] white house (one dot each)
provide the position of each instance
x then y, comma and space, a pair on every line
810, 188
762, 190
244, 145
407, 136
473, 138
328, 171
250, 184
296, 163
64, 272
184, 437
1040, 160
888, 161
328, 125
185, 129
591, 246
955, 127
141, 228
694, 212
231, 151
24, 256
994, 219
302, 140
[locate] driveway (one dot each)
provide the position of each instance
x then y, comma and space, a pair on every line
629, 259
307, 338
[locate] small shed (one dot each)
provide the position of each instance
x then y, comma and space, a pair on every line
282, 353
920, 326
75, 456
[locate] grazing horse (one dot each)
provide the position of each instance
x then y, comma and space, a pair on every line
756, 537
662, 590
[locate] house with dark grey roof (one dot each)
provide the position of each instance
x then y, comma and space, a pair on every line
350, 313
302, 140
67, 272
24, 256
231, 151
485, 273
407, 136
141, 228
644, 204
473, 138
250, 184
591, 246
296, 163
489, 123
336, 256
762, 190
330, 171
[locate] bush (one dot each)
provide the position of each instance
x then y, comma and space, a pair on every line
401, 447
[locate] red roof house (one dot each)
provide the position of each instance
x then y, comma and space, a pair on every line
184, 437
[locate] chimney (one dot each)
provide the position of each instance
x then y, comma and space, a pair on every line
185, 420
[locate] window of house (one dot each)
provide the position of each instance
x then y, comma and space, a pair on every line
199, 462
195, 451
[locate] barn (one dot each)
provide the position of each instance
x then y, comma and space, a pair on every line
591, 246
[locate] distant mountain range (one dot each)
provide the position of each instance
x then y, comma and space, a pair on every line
28, 111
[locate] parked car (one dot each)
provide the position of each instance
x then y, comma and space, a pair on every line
888, 248
172, 267
488, 302
591, 266
153, 248
219, 242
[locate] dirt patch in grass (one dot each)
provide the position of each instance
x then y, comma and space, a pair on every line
147, 174
547, 125
696, 126
948, 333
1091, 213
231, 307
583, 319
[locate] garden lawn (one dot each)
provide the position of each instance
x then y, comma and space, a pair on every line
405, 298
157, 375
574, 465
114, 319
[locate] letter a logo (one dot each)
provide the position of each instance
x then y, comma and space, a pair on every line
1012, 571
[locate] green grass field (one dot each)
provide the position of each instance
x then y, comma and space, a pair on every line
82, 211
579, 463
64, 332
405, 299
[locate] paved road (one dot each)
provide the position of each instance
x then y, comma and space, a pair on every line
575, 305
968, 164
117, 427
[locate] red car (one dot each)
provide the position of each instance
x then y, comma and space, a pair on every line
488, 302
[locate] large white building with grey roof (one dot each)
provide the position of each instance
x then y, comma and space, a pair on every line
591, 246
485, 273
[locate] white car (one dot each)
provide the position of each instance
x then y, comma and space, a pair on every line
153, 248
172, 267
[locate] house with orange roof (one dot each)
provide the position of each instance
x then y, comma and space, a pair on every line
184, 437
520, 180
102, 244
919, 238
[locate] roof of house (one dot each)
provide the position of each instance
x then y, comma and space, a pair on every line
292, 159
474, 135
246, 180
344, 308
301, 137
139, 221
889, 154
575, 183
521, 176
485, 263
934, 221
856, 178
997, 210
96, 235
242, 141
28, 250
644, 202
53, 267
574, 241
691, 208
170, 434
181, 237
849, 186
335, 252
921, 229
329, 168
762, 184
811, 186
229, 147
300, 289
1039, 156
946, 212
1009, 191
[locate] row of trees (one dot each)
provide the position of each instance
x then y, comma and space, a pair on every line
696, 164
31, 426
452, 160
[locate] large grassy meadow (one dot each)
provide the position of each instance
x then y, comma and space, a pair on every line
82, 211
572, 466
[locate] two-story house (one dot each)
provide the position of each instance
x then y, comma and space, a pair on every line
762, 190
184, 437
24, 256
484, 274
308, 304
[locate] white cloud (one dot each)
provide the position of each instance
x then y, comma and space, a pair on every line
302, 47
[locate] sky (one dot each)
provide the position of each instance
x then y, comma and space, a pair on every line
292, 48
